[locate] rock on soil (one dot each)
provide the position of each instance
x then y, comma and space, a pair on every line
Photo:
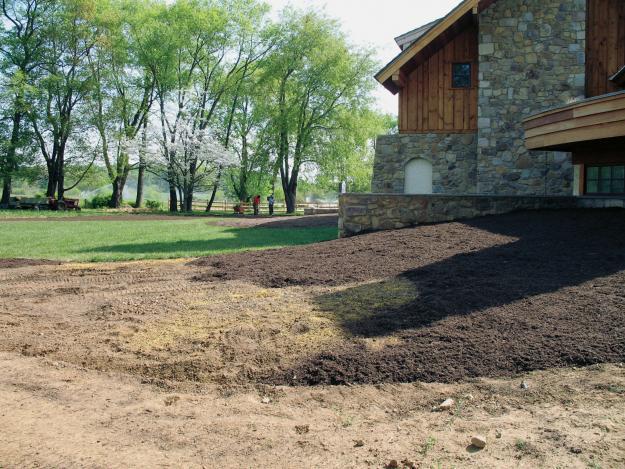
479, 441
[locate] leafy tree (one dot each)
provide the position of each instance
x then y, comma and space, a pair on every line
62, 83
93, 85
123, 89
21, 41
213, 48
313, 77
347, 152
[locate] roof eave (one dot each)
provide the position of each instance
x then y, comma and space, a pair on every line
453, 17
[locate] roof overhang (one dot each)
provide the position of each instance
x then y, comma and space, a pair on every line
408, 38
574, 126
391, 75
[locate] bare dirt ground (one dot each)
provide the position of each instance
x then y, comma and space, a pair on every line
176, 363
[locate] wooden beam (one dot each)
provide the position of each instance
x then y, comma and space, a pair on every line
399, 79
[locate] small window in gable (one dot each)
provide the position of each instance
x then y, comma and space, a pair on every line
461, 75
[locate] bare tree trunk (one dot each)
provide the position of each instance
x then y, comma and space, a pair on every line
6, 191
117, 196
290, 197
188, 200
51, 189
209, 206
140, 178
60, 177
180, 199
173, 198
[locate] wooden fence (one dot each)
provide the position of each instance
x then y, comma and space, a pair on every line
228, 207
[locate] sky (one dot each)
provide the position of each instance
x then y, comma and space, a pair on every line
376, 23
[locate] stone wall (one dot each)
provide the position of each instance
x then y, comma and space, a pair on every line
453, 158
531, 58
362, 213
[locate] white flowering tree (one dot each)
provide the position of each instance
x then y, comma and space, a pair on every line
183, 153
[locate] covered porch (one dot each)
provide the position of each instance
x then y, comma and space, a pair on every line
593, 130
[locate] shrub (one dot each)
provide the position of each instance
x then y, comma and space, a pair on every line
100, 201
153, 204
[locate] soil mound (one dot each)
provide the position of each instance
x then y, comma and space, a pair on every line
493, 297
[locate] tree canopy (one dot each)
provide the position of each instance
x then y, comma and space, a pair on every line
205, 94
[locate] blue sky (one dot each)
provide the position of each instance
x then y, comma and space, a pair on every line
375, 23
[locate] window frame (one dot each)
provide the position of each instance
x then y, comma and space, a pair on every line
612, 167
452, 75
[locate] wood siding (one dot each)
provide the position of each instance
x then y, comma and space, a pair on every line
605, 45
428, 103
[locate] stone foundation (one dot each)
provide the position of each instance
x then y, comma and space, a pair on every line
362, 213
453, 157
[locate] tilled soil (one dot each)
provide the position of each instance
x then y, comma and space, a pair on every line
490, 297
493, 297
171, 363
15, 263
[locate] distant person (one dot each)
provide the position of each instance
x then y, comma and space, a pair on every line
256, 205
271, 201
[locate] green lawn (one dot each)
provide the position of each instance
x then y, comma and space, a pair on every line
49, 214
112, 212
98, 241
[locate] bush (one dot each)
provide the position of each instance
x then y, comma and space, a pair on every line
153, 204
100, 201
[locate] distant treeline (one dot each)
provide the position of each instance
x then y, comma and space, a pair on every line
204, 94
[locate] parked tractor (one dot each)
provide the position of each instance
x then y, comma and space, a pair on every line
41, 203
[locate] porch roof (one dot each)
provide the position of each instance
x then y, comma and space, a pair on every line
598, 119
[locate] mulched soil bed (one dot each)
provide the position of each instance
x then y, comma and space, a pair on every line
496, 296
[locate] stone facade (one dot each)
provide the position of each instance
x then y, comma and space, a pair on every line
362, 213
453, 158
532, 57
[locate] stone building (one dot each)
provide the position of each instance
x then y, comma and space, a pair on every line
505, 98
466, 83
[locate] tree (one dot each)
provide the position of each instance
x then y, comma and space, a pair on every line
123, 89
190, 148
212, 48
249, 131
313, 77
62, 83
21, 43
347, 152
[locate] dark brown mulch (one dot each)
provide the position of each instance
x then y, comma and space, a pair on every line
15, 263
497, 296
341, 261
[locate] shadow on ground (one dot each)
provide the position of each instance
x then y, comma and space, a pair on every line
229, 240
555, 296
545, 259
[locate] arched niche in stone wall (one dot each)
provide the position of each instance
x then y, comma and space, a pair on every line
418, 177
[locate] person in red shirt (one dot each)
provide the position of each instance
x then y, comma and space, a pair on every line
256, 205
